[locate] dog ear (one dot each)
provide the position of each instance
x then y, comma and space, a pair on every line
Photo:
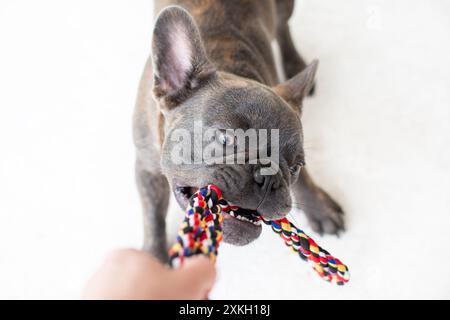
180, 63
298, 87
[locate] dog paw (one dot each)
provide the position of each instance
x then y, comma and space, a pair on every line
325, 216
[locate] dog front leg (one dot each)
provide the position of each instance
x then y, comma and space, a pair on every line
323, 213
155, 193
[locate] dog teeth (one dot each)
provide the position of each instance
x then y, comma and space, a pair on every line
242, 218
256, 223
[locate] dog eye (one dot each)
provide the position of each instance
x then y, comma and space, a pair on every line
225, 138
295, 169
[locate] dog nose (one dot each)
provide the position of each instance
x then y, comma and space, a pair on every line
266, 182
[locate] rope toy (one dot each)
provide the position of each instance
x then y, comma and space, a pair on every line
201, 233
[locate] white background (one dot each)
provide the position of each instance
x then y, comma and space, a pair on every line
377, 138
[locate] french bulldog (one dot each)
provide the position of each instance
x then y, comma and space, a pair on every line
212, 63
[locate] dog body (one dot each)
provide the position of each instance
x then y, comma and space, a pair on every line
212, 62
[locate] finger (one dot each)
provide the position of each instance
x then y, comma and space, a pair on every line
125, 274
195, 279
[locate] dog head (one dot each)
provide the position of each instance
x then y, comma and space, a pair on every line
211, 116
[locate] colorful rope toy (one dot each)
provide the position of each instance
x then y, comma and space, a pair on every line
201, 233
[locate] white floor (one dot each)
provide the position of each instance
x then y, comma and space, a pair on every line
377, 138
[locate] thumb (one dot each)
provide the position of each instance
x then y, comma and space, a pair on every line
195, 278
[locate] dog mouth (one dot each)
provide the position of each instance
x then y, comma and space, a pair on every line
245, 215
248, 216
184, 193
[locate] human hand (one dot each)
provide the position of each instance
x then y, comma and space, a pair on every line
132, 274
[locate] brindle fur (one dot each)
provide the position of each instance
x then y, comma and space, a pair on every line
235, 65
